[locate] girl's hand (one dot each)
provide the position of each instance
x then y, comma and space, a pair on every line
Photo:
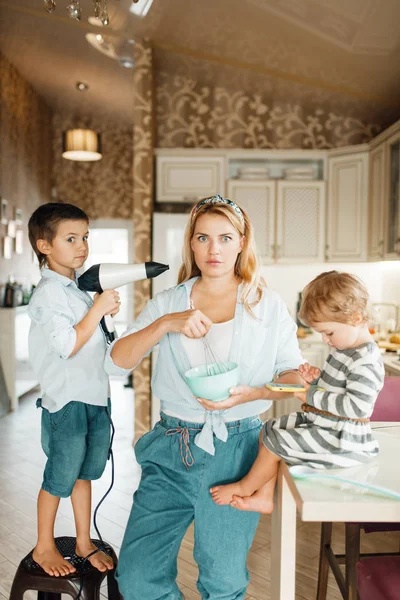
107, 303
192, 323
238, 395
309, 373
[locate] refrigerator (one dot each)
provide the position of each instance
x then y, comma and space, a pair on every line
168, 234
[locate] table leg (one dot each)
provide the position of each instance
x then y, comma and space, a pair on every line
283, 546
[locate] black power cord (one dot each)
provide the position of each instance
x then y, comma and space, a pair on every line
101, 547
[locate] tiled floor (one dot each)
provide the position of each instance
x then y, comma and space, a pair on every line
21, 465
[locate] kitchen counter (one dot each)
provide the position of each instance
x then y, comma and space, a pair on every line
392, 364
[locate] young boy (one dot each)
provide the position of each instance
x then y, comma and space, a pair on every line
67, 349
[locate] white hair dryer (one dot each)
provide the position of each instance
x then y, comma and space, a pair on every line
109, 276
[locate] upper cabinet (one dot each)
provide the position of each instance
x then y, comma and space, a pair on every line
347, 218
300, 221
377, 203
392, 250
258, 200
188, 178
287, 216
343, 206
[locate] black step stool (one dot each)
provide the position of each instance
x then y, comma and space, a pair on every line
30, 576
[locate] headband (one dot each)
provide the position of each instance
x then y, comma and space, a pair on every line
218, 199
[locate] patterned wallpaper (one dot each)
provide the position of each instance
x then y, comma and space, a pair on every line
25, 161
201, 104
103, 188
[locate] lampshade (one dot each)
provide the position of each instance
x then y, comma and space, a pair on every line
81, 144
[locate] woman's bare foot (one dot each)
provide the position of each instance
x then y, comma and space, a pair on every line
223, 494
100, 560
51, 561
257, 502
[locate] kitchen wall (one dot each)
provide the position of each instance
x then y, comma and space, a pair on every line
103, 189
25, 161
382, 279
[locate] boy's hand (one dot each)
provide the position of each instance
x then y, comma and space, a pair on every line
309, 373
107, 303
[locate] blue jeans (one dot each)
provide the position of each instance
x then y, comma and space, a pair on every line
170, 496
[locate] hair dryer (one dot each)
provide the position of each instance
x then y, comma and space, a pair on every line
112, 275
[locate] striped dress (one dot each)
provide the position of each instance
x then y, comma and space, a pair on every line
352, 379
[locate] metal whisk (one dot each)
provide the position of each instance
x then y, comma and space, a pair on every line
214, 364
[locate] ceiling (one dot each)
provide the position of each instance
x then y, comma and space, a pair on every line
347, 49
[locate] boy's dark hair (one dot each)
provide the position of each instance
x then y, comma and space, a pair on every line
44, 222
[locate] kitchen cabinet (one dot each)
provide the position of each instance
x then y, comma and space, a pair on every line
377, 202
347, 216
17, 371
288, 218
188, 178
258, 199
392, 250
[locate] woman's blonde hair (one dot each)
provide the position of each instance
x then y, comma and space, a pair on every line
246, 266
333, 296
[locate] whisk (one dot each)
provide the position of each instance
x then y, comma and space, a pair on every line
213, 363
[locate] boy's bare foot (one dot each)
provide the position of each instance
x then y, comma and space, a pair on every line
52, 562
100, 560
223, 494
257, 502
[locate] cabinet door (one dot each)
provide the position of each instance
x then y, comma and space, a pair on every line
393, 198
300, 221
377, 203
188, 178
347, 208
258, 200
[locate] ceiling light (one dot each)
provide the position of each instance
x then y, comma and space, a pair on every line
82, 86
81, 145
120, 50
95, 21
140, 8
74, 10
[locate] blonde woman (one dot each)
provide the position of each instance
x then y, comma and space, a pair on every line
220, 293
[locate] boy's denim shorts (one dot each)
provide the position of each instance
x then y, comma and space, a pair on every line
76, 441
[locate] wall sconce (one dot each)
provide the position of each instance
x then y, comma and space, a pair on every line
81, 144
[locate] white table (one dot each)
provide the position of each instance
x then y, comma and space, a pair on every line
316, 501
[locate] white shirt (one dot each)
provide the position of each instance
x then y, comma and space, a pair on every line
56, 306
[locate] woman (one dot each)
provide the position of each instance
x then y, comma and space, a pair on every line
220, 293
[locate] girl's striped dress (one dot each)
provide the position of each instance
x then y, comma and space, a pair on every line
352, 379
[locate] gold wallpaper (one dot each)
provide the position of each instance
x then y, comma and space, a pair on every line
25, 161
103, 188
143, 144
232, 110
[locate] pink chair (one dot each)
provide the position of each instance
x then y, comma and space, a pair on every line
379, 578
387, 408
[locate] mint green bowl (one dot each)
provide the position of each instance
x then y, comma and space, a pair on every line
204, 384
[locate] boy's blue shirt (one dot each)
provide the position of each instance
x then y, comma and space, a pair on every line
262, 346
56, 306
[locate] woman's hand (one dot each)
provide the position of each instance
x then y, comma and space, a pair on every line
238, 395
192, 323
309, 373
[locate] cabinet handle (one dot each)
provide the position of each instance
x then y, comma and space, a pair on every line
273, 251
278, 251
382, 248
396, 246
327, 255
